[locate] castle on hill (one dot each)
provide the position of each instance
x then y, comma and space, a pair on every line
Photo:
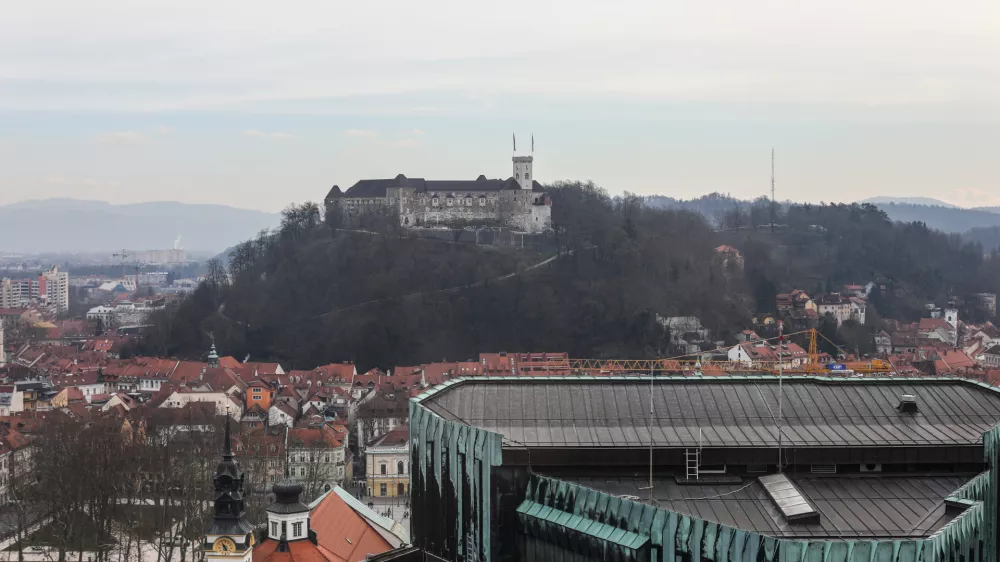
518, 202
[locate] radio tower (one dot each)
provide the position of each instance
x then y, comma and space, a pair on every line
772, 189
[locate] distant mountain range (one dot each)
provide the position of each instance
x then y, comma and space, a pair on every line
74, 225
937, 214
981, 224
928, 201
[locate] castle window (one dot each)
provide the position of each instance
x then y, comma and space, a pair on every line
274, 530
526, 176
297, 529
451, 201
517, 176
482, 200
434, 202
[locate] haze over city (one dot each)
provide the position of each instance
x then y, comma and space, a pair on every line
234, 103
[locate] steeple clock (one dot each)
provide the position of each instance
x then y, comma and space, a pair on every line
230, 538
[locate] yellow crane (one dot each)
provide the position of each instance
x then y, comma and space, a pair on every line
685, 364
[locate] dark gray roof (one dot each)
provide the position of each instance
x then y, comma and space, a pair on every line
728, 411
377, 188
849, 507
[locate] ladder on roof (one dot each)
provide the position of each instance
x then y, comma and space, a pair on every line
692, 459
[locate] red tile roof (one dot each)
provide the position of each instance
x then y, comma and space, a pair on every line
298, 551
343, 532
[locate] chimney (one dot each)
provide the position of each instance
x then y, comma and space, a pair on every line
908, 404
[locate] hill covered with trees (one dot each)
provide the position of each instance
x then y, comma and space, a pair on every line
309, 293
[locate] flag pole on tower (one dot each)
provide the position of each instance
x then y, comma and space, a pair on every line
514, 138
532, 143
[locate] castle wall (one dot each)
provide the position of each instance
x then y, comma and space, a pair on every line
519, 209
419, 209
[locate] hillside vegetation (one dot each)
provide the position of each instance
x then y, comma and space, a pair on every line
308, 294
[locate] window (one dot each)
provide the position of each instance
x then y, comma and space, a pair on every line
326, 458
274, 530
382, 489
302, 471
482, 201
526, 174
451, 201
297, 529
382, 468
434, 202
399, 467
400, 489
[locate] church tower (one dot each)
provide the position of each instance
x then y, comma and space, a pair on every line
230, 538
523, 173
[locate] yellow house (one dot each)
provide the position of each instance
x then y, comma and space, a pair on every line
387, 460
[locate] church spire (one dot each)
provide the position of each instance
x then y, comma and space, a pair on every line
230, 536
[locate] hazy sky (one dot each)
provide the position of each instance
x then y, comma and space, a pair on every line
257, 104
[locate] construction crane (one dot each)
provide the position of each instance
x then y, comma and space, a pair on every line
123, 255
686, 364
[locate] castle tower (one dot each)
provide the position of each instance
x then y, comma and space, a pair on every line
230, 538
523, 173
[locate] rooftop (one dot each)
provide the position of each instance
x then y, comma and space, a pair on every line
726, 411
848, 507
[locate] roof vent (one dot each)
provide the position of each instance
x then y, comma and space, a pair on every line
908, 404
481, 178
400, 177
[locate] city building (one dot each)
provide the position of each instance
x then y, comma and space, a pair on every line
386, 461
317, 455
836, 305
518, 202
57, 288
724, 469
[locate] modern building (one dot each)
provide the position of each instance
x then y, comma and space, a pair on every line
722, 468
57, 288
518, 202
49, 287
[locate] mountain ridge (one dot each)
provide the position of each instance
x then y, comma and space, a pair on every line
83, 225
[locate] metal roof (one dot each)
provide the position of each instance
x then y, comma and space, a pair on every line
848, 507
721, 411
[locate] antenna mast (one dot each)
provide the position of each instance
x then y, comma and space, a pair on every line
781, 393
772, 189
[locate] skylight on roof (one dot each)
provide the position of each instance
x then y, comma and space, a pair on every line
787, 497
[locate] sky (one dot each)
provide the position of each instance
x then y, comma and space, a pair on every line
260, 104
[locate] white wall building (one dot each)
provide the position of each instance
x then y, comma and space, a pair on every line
223, 402
57, 288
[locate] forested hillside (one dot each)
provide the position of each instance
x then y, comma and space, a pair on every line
617, 264
308, 294
988, 237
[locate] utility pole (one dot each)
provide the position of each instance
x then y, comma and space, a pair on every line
772, 190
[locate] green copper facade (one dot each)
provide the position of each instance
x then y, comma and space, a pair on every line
453, 506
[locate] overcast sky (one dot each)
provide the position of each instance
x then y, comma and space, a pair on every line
258, 104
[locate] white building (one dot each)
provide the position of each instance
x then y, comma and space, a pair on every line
858, 308
105, 314
316, 457
281, 413
224, 403
11, 400
836, 305
57, 288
